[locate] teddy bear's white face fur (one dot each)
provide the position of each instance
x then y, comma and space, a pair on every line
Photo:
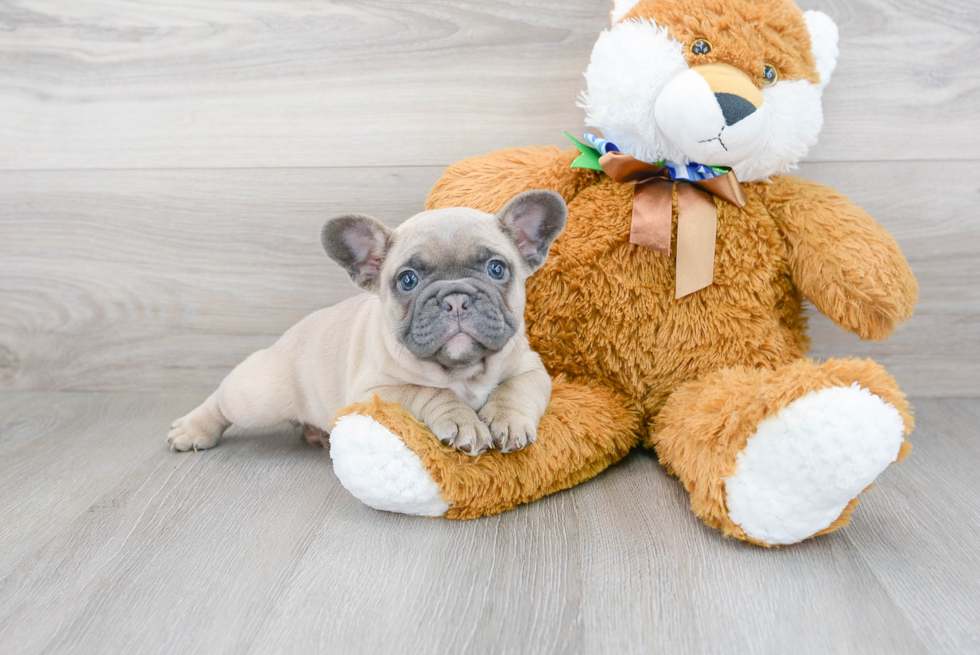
646, 99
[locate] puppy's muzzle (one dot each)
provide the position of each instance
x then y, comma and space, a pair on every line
446, 308
457, 299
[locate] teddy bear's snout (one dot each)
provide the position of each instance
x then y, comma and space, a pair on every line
714, 114
732, 85
734, 108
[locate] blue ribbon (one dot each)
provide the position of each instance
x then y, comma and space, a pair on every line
683, 172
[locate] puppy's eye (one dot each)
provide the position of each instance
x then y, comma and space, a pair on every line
769, 75
496, 269
701, 47
408, 280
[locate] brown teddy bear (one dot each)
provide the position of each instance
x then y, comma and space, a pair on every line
670, 310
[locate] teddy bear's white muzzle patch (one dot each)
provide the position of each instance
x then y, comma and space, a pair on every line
711, 126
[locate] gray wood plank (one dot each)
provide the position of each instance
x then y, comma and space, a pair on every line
928, 210
920, 538
899, 79
59, 454
167, 279
186, 553
255, 547
130, 83
196, 552
125, 84
655, 579
382, 583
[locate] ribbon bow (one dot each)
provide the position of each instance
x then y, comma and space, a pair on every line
654, 185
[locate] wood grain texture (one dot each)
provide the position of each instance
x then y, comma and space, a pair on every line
507, 584
701, 594
182, 554
163, 279
254, 547
121, 280
217, 84
59, 453
929, 212
923, 533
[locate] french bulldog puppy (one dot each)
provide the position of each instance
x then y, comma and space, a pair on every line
439, 329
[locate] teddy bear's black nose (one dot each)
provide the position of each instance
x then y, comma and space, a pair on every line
734, 107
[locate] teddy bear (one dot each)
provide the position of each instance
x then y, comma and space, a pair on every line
670, 311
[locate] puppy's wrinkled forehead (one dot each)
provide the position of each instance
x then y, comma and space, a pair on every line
444, 238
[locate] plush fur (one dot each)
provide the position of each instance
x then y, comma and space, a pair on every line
649, 45
587, 428
697, 378
720, 412
804, 464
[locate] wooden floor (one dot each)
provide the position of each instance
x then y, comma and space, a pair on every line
110, 543
164, 171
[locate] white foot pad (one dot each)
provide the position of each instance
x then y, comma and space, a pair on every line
803, 465
380, 471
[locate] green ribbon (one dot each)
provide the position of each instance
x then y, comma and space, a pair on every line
589, 158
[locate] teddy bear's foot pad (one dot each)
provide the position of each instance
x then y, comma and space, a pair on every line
805, 464
378, 469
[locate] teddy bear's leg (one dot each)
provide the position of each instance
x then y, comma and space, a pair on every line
390, 461
777, 456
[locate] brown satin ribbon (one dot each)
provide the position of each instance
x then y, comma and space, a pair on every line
697, 215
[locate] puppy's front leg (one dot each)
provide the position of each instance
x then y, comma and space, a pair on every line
453, 423
515, 408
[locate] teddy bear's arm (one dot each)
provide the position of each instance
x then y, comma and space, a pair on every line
488, 182
841, 258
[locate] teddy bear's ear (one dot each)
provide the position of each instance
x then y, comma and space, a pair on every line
621, 8
824, 35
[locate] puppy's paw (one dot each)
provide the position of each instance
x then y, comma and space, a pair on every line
462, 429
315, 436
510, 429
187, 433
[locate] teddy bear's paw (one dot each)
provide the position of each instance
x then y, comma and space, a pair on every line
378, 469
805, 464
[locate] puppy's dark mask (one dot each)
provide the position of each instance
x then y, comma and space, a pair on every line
457, 313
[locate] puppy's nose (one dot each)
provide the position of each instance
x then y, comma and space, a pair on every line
734, 107
456, 302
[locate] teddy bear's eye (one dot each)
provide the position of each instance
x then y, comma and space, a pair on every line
770, 75
701, 47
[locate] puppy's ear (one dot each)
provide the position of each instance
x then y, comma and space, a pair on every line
533, 220
359, 244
